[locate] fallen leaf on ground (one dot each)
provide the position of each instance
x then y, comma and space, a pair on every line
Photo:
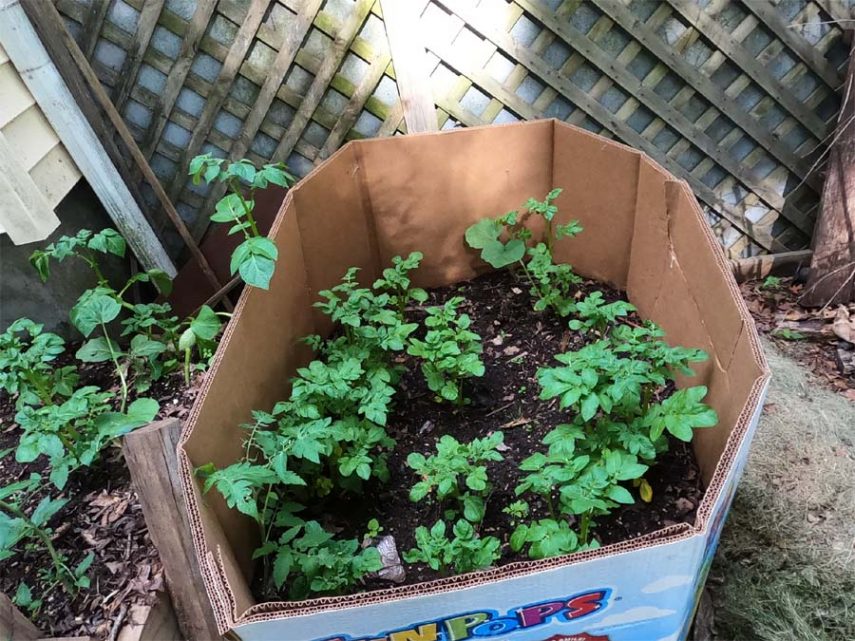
844, 326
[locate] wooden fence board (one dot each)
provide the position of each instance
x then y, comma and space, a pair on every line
735, 97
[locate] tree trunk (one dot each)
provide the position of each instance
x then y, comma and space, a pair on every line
832, 273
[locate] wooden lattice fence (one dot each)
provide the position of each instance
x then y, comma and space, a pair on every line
738, 98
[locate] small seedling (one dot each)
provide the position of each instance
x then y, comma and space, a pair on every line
458, 471
450, 351
465, 552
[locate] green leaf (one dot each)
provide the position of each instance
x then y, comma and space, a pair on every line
108, 241
206, 325
93, 309
229, 209
114, 424
620, 494
161, 280
282, 566
257, 271
97, 350
501, 255
483, 233
84, 565
46, 509
187, 339
144, 347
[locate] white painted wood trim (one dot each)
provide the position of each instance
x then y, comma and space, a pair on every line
25, 214
44, 81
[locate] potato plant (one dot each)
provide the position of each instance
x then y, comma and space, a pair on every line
255, 258
67, 425
450, 351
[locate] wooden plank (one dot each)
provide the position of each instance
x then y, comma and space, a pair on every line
92, 26
832, 268
318, 88
55, 174
584, 102
655, 103
220, 89
704, 85
701, 21
25, 213
50, 91
770, 17
149, 14
31, 136
178, 74
408, 59
16, 98
14, 625
295, 31
150, 453
151, 622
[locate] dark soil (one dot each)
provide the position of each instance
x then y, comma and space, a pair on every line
517, 341
103, 515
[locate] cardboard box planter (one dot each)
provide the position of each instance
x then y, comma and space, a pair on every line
644, 232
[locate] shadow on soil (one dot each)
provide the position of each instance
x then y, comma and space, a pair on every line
785, 569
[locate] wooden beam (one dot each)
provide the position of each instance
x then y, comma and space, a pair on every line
151, 622
782, 264
178, 74
14, 625
832, 269
295, 31
410, 63
150, 453
149, 14
316, 91
219, 91
44, 81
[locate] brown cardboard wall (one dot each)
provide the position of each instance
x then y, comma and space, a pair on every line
425, 190
599, 179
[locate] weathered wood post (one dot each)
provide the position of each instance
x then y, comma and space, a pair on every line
832, 273
150, 453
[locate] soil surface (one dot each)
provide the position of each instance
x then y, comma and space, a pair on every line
103, 515
517, 341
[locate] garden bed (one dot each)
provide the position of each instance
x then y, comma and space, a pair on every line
517, 341
103, 516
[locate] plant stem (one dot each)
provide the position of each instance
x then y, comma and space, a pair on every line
56, 558
246, 208
187, 366
583, 527
551, 505
115, 360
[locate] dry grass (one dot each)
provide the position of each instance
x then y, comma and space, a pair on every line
785, 570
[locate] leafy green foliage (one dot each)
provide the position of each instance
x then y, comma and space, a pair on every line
546, 538
26, 364
457, 471
610, 386
595, 313
319, 563
488, 233
85, 245
255, 258
73, 433
396, 282
772, 283
552, 284
450, 351
465, 552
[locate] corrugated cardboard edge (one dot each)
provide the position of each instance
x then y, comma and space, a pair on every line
214, 562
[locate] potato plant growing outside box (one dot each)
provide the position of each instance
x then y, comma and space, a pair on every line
424, 337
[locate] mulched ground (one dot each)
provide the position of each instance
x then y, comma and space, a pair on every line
814, 337
103, 516
517, 340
